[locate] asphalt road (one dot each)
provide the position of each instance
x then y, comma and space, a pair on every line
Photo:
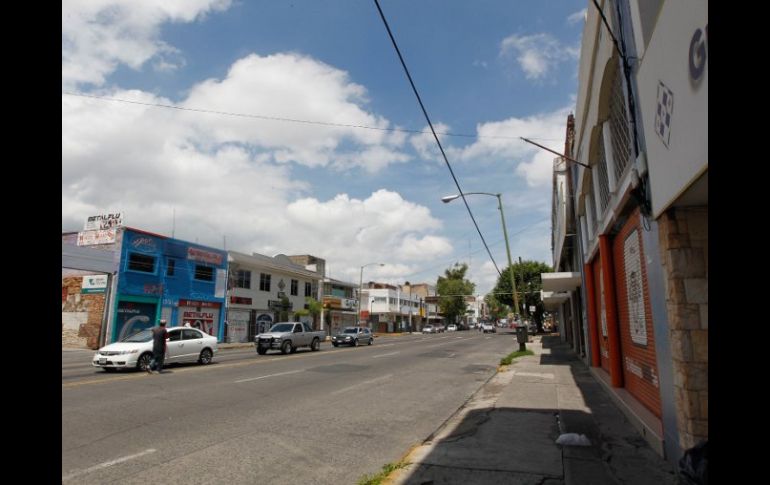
311, 417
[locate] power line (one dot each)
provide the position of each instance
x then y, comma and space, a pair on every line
435, 136
278, 118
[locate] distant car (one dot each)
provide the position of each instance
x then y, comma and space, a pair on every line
184, 344
353, 336
451, 328
428, 329
488, 328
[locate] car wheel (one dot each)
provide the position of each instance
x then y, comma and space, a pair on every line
371, 341
143, 362
261, 350
286, 347
355, 343
315, 345
205, 357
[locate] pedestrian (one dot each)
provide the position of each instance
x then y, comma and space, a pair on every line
159, 336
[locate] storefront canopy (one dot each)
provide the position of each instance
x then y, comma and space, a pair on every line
553, 300
559, 282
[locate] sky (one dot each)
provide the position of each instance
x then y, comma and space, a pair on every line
290, 127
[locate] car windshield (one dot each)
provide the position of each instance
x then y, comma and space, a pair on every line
350, 330
143, 336
282, 327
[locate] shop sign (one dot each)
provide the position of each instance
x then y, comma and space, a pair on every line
195, 254
92, 238
103, 221
94, 284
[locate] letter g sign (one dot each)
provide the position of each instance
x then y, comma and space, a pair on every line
698, 53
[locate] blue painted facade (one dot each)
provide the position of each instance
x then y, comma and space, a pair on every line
160, 277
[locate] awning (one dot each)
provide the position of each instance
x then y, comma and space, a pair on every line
558, 282
553, 300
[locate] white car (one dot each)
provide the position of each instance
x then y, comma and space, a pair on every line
488, 328
451, 328
184, 344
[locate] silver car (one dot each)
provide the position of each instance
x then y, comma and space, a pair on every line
353, 336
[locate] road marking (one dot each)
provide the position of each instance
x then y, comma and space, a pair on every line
346, 389
385, 355
106, 464
271, 375
385, 345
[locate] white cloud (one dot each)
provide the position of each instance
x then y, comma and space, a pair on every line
538, 54
292, 86
499, 141
425, 143
578, 16
99, 35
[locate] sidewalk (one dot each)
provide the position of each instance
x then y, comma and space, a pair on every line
506, 433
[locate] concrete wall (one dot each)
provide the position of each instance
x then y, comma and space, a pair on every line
81, 315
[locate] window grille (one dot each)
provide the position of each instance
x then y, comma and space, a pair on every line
604, 183
619, 127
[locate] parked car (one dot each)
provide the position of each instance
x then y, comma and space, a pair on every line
288, 337
488, 328
353, 336
451, 328
184, 344
428, 329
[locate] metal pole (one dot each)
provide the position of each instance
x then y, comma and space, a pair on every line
508, 252
360, 289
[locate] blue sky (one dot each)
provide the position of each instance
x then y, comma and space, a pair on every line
495, 70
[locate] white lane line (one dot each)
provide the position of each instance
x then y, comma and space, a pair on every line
106, 464
346, 389
271, 375
386, 345
385, 355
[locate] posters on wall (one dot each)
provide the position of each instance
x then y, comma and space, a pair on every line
634, 288
237, 325
133, 317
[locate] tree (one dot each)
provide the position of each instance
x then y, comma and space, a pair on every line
452, 288
528, 286
314, 308
497, 310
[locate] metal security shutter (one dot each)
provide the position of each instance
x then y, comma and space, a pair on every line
637, 341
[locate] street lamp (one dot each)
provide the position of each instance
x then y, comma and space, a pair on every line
450, 198
361, 289
410, 305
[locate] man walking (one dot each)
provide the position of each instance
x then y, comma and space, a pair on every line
159, 336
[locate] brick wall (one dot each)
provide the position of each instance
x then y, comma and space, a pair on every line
77, 307
684, 250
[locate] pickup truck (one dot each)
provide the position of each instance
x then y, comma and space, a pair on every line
287, 337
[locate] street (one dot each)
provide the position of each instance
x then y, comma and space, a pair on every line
311, 417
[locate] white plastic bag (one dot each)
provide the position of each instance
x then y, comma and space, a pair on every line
573, 439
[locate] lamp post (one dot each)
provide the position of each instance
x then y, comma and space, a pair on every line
410, 305
361, 289
450, 198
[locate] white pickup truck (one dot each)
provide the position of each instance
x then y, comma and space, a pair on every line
287, 337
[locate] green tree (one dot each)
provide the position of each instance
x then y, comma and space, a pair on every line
314, 308
497, 309
283, 314
528, 286
452, 288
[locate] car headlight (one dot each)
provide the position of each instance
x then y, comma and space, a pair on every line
347, 338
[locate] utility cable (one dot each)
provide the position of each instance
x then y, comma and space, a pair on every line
278, 118
435, 136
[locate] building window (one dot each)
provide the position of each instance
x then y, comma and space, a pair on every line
264, 282
243, 279
204, 273
170, 265
619, 126
294, 287
308, 289
141, 262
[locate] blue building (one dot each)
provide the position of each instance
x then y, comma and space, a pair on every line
160, 277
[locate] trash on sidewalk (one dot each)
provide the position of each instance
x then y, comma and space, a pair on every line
694, 465
573, 439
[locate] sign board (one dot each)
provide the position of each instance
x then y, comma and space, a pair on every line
532, 308
195, 254
94, 284
101, 222
92, 238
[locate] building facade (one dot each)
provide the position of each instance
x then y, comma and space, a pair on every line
633, 223
263, 290
340, 304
